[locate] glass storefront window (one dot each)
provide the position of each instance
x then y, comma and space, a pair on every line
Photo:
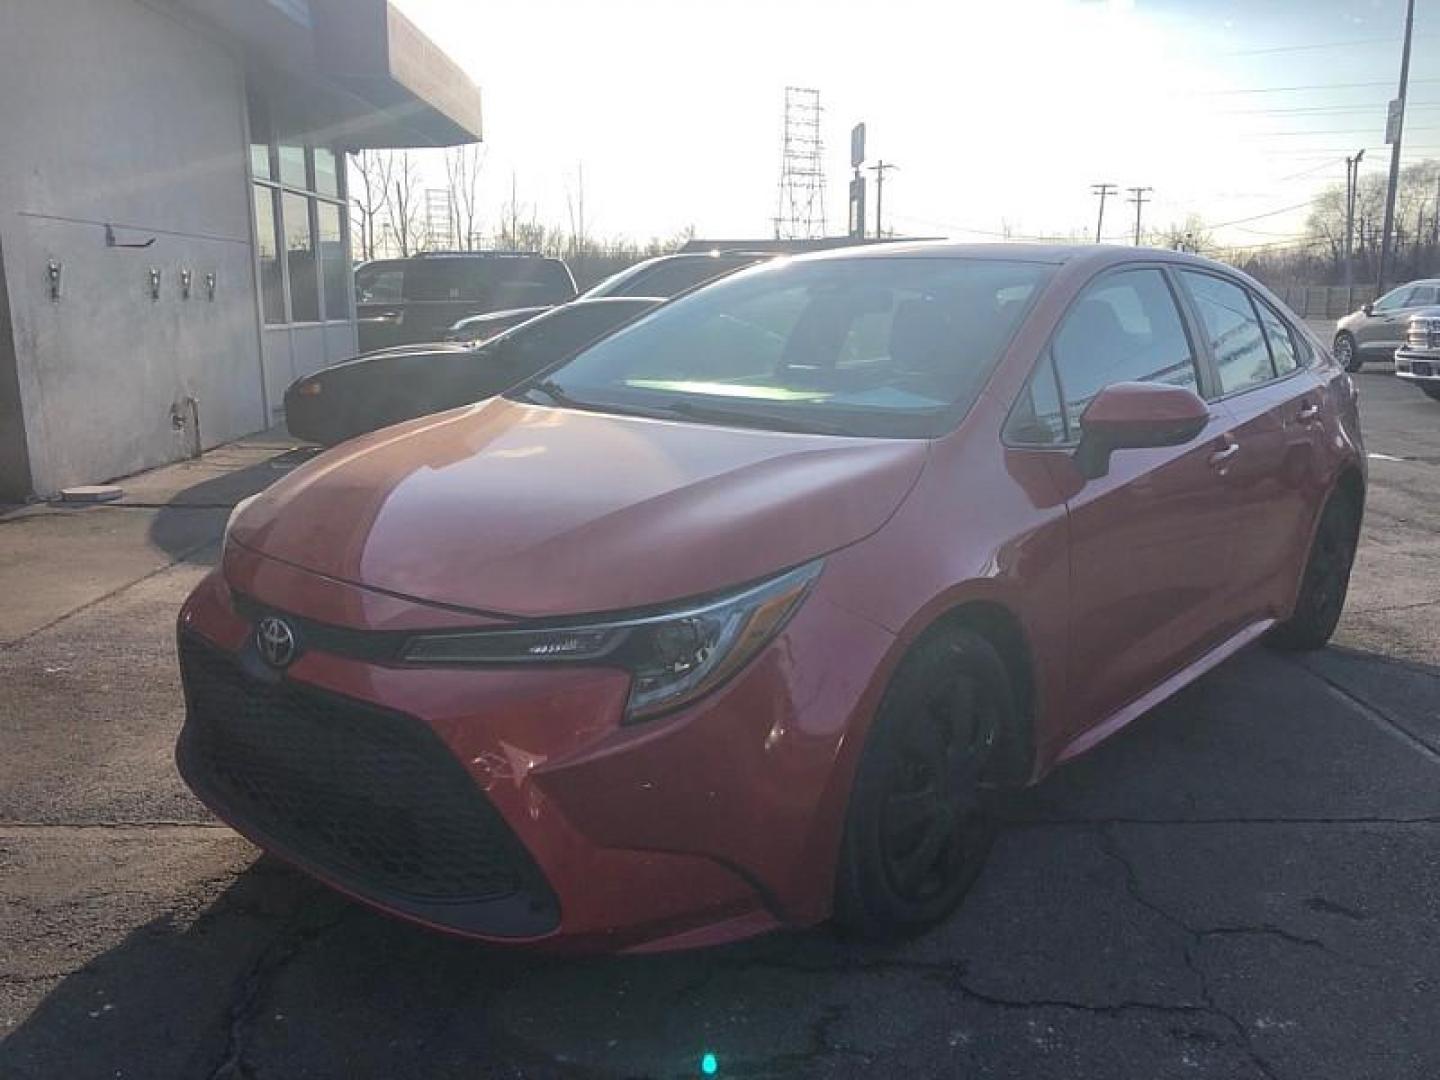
267, 251
327, 178
260, 161
333, 273
292, 166
299, 193
300, 258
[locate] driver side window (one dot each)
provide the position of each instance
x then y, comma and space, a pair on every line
1123, 328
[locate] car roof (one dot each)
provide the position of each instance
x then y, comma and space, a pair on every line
1018, 252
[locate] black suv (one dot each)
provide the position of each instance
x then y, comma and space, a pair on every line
400, 301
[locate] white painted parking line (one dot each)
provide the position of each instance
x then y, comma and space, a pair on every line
1384, 457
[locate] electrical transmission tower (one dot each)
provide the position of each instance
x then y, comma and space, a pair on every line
801, 211
440, 223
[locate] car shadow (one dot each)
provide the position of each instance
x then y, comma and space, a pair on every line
192, 520
280, 977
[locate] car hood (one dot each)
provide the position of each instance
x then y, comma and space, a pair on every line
501, 316
515, 509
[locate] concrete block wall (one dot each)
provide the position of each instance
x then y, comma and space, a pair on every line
122, 112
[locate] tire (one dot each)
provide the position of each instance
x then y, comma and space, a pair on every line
1431, 390
1347, 352
1326, 579
917, 833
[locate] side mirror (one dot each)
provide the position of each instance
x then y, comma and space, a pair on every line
1369, 308
1133, 415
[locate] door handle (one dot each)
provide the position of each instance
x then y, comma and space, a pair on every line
1308, 413
1219, 458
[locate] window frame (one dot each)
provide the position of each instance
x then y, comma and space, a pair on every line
1204, 372
1305, 355
313, 198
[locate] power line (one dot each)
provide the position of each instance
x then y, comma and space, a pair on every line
1375, 106
1326, 164
1321, 131
1267, 214
1319, 45
1292, 89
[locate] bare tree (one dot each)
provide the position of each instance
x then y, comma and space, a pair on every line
1189, 235
401, 209
371, 170
462, 174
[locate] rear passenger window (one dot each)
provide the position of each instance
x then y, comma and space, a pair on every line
1283, 349
1236, 340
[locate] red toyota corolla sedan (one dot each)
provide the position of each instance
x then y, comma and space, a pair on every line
735, 619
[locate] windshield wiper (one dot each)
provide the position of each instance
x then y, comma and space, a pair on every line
690, 411
556, 393
687, 409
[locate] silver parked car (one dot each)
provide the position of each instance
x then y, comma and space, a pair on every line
1378, 329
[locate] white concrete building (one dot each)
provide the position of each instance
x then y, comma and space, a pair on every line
174, 246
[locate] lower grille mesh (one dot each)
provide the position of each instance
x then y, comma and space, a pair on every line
371, 796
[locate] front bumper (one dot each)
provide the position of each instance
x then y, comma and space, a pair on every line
1418, 366
514, 807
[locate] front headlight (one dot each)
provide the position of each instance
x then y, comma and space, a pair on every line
674, 657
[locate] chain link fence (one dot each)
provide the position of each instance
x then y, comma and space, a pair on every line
1325, 301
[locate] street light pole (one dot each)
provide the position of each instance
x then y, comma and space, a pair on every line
1395, 151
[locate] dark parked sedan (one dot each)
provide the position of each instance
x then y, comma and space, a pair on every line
391, 385
665, 275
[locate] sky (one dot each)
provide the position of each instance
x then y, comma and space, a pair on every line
999, 115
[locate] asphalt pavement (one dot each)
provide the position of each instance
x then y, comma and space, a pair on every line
1244, 883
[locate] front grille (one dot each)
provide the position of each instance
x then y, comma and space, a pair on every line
1423, 334
370, 797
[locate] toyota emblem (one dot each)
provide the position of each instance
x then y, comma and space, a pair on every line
276, 641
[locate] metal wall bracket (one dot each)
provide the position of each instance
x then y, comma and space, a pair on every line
110, 240
154, 283
186, 275
52, 277
210, 286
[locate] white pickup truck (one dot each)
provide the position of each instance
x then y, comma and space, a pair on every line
1418, 359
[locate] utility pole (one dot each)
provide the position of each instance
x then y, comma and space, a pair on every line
1352, 184
514, 241
879, 170
1395, 127
1435, 217
1138, 197
1102, 190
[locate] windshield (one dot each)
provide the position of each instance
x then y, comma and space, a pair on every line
560, 331
667, 277
869, 346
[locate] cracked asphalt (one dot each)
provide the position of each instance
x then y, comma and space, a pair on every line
1244, 883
